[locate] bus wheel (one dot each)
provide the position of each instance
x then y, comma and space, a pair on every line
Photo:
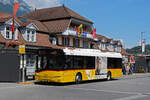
109, 76
78, 78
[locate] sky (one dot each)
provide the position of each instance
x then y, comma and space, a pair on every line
117, 19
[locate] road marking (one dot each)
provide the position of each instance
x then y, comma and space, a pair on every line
132, 97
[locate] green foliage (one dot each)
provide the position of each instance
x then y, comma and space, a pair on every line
137, 50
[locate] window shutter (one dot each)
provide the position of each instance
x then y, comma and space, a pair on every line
71, 42
59, 40
25, 34
81, 43
16, 34
34, 36
30, 36
10, 33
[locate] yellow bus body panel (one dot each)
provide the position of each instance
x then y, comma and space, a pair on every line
115, 72
64, 76
49, 76
69, 75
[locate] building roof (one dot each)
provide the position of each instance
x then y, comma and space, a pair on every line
57, 26
54, 13
4, 15
4, 19
100, 37
24, 22
123, 52
117, 41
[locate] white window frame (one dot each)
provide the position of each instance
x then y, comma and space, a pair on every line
30, 32
103, 46
8, 32
11, 36
9, 24
30, 35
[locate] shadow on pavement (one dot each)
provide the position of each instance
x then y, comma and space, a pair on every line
72, 83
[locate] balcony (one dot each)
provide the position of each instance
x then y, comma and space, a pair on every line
73, 32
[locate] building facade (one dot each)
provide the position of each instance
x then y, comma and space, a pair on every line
44, 30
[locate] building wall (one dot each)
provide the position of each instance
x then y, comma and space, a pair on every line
10, 72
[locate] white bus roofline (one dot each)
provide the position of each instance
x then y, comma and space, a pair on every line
91, 52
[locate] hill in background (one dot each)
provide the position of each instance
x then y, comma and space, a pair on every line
137, 50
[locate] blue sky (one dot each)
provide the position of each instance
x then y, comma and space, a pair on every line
118, 19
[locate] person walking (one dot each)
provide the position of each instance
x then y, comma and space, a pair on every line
127, 69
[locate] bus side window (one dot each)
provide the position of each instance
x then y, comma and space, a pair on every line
84, 63
78, 62
90, 62
68, 62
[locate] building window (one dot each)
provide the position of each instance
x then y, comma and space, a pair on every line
7, 32
53, 40
76, 43
100, 45
110, 47
30, 65
92, 46
65, 41
103, 46
85, 44
10, 35
115, 48
119, 49
30, 35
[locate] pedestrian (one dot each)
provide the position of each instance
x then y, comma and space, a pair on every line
127, 69
124, 69
131, 68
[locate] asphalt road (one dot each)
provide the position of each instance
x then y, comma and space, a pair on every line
132, 87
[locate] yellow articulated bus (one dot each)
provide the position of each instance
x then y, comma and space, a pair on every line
78, 65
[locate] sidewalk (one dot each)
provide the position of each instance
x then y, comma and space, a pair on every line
136, 75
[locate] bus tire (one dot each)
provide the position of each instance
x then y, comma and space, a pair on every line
78, 78
109, 76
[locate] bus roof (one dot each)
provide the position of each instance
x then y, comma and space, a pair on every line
91, 52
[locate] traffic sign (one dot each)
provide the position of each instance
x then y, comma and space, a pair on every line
22, 49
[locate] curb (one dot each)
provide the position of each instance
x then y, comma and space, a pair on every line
27, 83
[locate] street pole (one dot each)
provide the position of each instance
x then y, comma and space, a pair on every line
22, 53
142, 42
141, 37
23, 69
